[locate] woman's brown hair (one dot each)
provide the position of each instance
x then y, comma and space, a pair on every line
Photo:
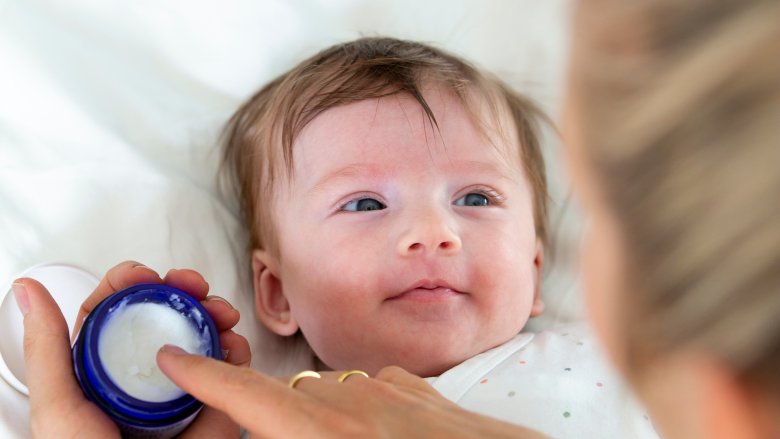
679, 106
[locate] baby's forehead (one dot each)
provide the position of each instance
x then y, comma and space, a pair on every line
393, 132
469, 127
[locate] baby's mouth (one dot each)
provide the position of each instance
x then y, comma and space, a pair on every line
427, 291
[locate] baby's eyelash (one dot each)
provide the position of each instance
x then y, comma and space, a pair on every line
340, 206
495, 197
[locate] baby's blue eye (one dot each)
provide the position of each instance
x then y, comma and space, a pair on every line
473, 199
363, 205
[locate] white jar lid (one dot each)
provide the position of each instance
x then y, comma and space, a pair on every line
68, 284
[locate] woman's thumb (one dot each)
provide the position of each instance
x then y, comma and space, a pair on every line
47, 356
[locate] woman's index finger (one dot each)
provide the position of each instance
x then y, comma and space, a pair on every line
258, 402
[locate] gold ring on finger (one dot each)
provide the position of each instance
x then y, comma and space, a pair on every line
301, 375
349, 373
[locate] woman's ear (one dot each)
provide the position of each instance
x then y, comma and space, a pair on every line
271, 305
538, 305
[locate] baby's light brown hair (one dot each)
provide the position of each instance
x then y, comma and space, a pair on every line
259, 138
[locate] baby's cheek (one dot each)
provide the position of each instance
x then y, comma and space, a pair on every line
509, 284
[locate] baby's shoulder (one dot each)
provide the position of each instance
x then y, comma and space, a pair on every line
557, 381
529, 355
573, 342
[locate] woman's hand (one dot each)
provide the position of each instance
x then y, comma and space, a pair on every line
58, 407
395, 403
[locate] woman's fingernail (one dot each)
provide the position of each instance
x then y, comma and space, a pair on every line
219, 299
20, 294
172, 349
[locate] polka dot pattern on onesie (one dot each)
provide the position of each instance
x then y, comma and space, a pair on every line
554, 382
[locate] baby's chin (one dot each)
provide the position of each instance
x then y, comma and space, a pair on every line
433, 370
432, 363
419, 359
424, 368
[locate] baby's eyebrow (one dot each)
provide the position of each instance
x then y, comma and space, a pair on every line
347, 172
503, 171
465, 167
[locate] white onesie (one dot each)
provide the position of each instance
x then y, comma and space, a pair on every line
556, 382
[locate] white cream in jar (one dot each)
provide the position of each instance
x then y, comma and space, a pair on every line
115, 357
128, 345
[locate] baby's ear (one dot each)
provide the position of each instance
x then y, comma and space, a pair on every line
538, 305
271, 306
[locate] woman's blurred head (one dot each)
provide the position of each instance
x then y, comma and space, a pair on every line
673, 121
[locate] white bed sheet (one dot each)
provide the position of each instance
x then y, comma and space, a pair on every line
110, 111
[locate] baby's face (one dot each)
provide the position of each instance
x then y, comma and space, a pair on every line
405, 245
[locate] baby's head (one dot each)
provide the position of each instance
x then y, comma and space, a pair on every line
396, 199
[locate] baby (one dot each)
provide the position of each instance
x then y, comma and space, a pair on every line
396, 200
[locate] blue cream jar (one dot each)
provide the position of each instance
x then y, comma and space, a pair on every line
114, 357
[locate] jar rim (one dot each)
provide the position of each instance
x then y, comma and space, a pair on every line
103, 390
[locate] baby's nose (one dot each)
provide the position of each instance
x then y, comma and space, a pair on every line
429, 233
